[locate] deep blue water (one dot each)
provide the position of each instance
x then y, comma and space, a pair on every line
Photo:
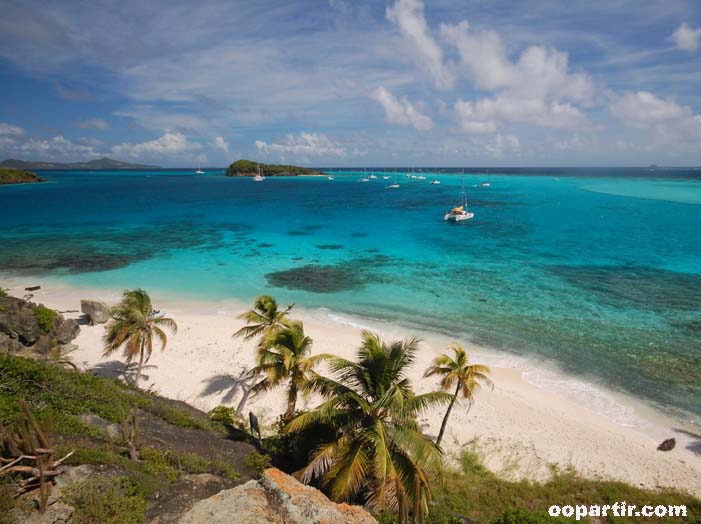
598, 271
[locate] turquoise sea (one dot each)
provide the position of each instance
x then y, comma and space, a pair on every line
595, 270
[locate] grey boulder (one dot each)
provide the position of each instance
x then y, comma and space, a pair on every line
97, 312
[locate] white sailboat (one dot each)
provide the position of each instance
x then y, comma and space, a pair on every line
395, 185
459, 213
258, 177
199, 170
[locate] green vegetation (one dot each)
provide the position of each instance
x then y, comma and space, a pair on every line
17, 176
457, 371
474, 492
107, 500
283, 357
256, 463
263, 319
45, 317
59, 397
133, 326
248, 168
378, 452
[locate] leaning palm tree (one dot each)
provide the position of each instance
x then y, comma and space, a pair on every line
263, 319
457, 371
378, 453
133, 325
284, 358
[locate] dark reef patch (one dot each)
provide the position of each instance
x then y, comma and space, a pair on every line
640, 287
264, 245
358, 235
330, 246
305, 231
344, 276
102, 249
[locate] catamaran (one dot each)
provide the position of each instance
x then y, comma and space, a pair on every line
459, 213
258, 177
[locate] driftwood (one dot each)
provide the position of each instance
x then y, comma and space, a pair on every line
25, 452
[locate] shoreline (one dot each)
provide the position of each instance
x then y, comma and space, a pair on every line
535, 417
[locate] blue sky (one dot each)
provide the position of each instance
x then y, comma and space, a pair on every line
334, 82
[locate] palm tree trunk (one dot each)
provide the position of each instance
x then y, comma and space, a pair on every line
291, 401
141, 365
447, 413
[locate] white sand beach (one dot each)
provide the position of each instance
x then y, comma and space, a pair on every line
534, 418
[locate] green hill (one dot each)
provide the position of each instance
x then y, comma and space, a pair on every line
17, 176
249, 168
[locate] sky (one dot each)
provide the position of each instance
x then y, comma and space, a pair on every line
352, 83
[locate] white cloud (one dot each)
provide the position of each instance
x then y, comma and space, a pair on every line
499, 145
408, 16
93, 123
170, 144
401, 112
531, 90
539, 72
489, 114
304, 144
56, 147
687, 38
9, 129
671, 121
220, 144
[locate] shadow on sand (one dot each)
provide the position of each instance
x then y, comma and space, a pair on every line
695, 445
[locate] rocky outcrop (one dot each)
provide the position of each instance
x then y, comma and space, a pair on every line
67, 331
97, 312
276, 498
32, 329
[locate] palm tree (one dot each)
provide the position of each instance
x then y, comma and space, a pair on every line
284, 357
378, 452
457, 371
133, 325
263, 319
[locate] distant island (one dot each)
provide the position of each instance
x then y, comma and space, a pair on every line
98, 163
248, 168
17, 176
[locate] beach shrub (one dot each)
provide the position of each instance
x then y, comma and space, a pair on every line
256, 463
60, 396
107, 500
472, 492
45, 317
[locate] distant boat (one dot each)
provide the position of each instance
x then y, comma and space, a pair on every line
258, 177
372, 175
485, 184
395, 185
365, 176
199, 170
434, 182
459, 213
